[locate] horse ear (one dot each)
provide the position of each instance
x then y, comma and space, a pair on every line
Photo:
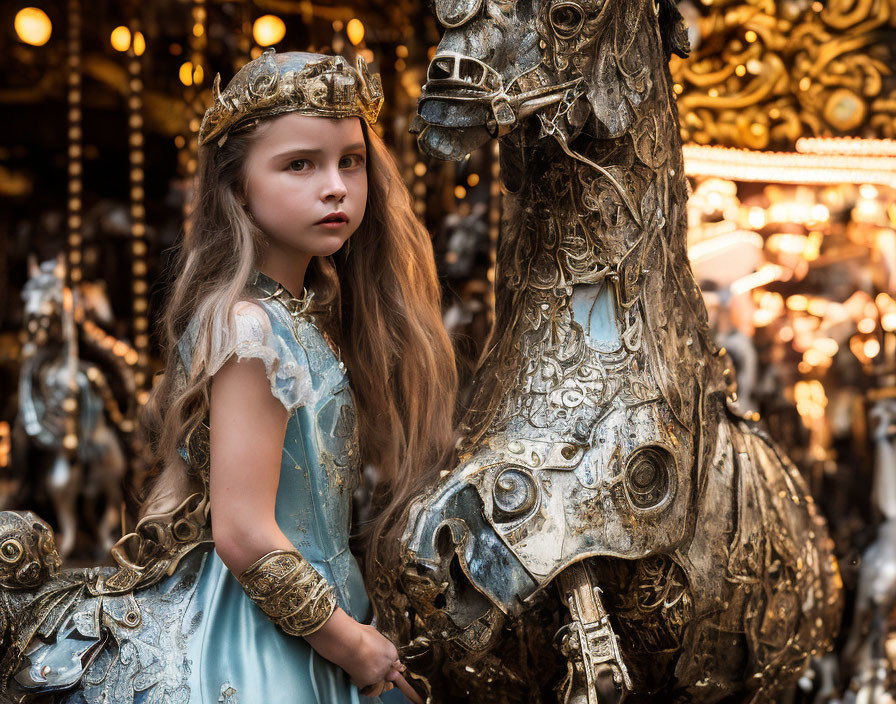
673, 29
619, 73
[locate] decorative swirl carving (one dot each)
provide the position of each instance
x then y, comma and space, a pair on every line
28, 556
765, 74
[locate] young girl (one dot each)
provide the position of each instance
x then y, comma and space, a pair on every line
304, 267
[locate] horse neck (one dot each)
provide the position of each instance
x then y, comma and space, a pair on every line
569, 226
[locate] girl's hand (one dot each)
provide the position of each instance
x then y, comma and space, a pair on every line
375, 659
369, 658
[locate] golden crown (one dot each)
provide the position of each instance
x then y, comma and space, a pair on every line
312, 84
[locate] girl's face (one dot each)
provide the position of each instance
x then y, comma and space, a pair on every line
306, 182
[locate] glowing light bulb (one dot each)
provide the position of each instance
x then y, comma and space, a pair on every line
867, 191
813, 356
121, 38
355, 31
33, 26
186, 73
827, 346
268, 30
866, 325
756, 218
797, 302
786, 243
819, 213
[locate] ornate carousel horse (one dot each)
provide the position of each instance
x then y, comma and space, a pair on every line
876, 598
605, 492
74, 426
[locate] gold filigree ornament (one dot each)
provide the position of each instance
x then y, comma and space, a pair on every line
272, 84
763, 75
290, 591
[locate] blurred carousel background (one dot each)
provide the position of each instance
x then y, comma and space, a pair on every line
788, 111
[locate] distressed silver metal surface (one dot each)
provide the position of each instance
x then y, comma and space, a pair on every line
599, 430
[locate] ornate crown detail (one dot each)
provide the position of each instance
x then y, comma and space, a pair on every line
325, 86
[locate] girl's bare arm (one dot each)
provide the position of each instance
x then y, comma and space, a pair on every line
248, 426
247, 429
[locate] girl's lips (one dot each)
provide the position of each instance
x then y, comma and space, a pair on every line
337, 218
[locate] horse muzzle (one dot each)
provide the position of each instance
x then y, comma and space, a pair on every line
462, 92
449, 541
461, 78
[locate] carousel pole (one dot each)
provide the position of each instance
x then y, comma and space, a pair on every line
71, 267
136, 158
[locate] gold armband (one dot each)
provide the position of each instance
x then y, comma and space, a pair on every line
290, 591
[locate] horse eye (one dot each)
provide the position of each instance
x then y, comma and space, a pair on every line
567, 19
11, 550
649, 479
515, 494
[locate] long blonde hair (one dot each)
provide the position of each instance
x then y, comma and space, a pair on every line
382, 311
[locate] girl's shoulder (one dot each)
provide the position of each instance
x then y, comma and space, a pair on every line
249, 334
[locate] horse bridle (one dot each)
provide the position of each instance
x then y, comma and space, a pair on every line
506, 107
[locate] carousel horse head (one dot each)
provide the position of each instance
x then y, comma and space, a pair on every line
42, 297
572, 64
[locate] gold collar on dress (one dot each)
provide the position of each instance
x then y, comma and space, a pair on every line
296, 307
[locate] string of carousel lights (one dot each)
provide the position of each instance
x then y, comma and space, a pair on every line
192, 75
75, 144
136, 158
789, 167
74, 220
494, 226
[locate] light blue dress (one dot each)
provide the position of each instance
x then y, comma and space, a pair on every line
201, 640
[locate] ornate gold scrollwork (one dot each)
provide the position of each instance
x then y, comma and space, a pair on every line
765, 74
290, 591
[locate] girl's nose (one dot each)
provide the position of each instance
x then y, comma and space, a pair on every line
334, 188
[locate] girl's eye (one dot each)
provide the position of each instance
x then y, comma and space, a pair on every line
348, 162
298, 165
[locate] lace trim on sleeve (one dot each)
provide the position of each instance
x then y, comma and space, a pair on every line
253, 338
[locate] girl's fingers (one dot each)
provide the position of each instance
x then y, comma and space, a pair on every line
406, 689
373, 690
397, 670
